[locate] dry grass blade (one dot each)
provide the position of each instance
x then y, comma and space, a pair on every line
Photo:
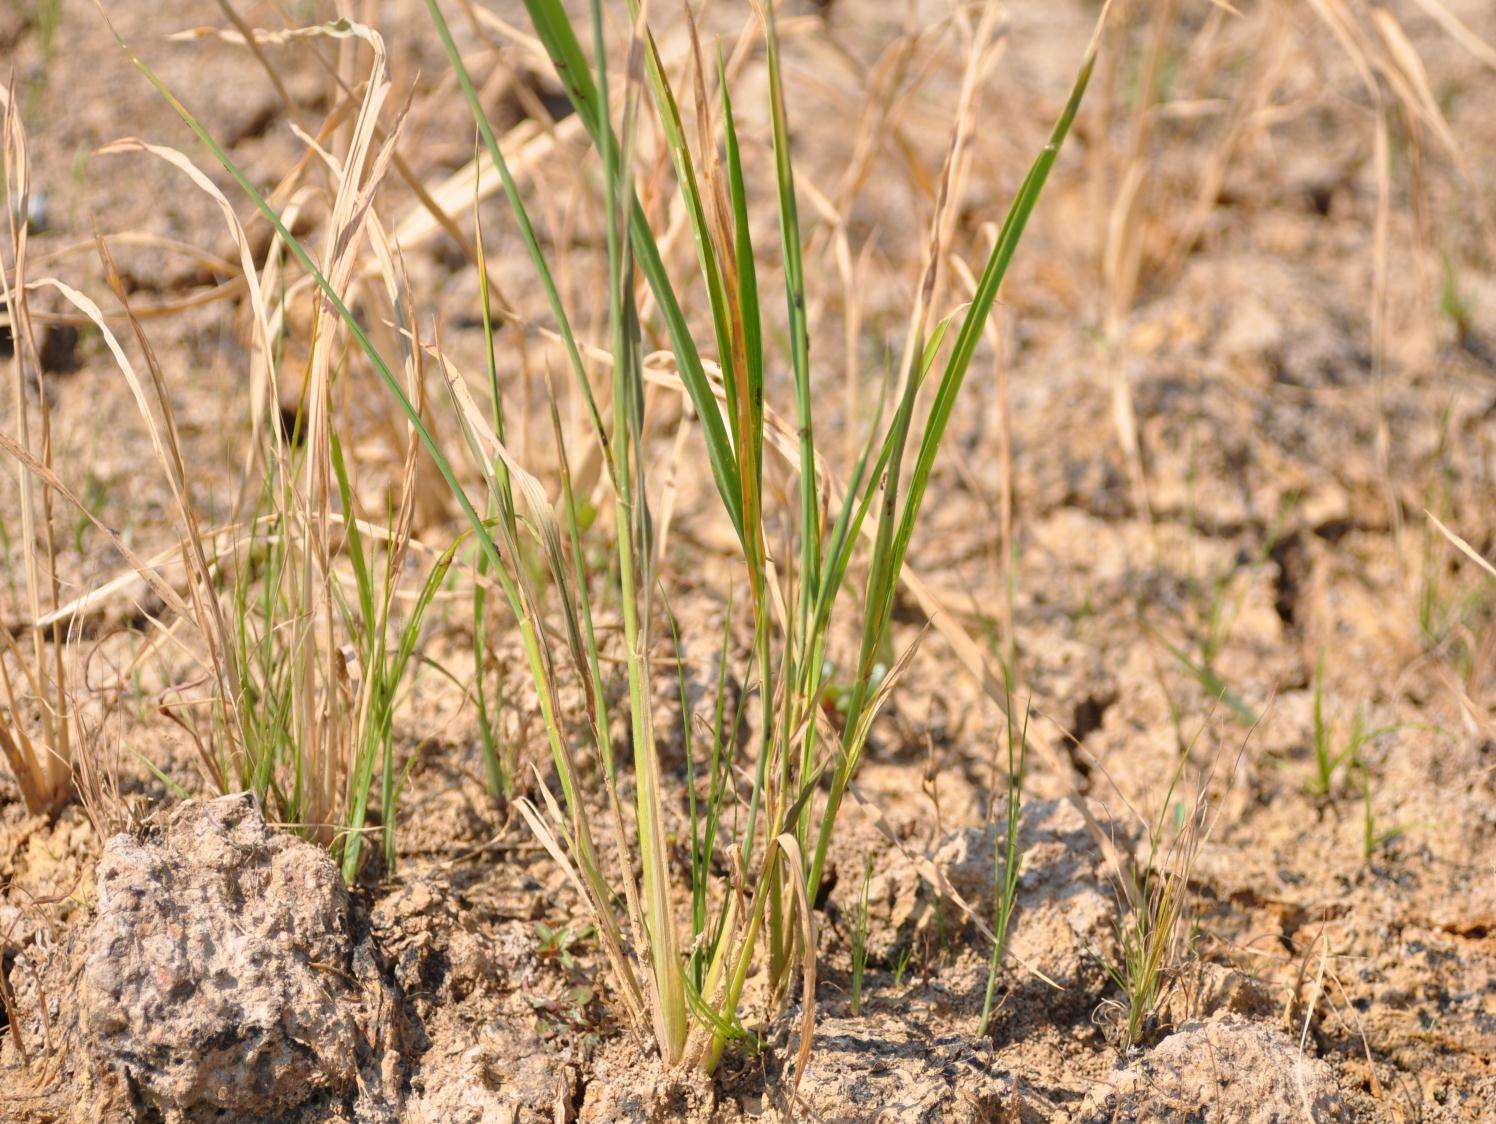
158, 585
537, 506
791, 848
42, 765
1460, 544
263, 389
1459, 31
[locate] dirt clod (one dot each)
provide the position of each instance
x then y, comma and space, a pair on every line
626, 1087
877, 1068
216, 975
504, 1075
1220, 1069
1066, 912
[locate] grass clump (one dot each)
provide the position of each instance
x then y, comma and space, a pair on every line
786, 827
304, 632
768, 821
308, 652
1153, 923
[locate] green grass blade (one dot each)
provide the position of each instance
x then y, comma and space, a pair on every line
554, 29
794, 291
750, 458
981, 307
634, 554
520, 211
891, 547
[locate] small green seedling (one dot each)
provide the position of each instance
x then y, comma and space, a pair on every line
1329, 756
901, 964
1007, 865
1373, 838
1455, 305
557, 943
1154, 902
859, 941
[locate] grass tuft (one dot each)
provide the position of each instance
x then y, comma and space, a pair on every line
783, 812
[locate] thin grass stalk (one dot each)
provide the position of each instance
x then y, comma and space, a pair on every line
810, 524
553, 28
631, 518
500, 777
42, 767
1008, 867
794, 291
583, 641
